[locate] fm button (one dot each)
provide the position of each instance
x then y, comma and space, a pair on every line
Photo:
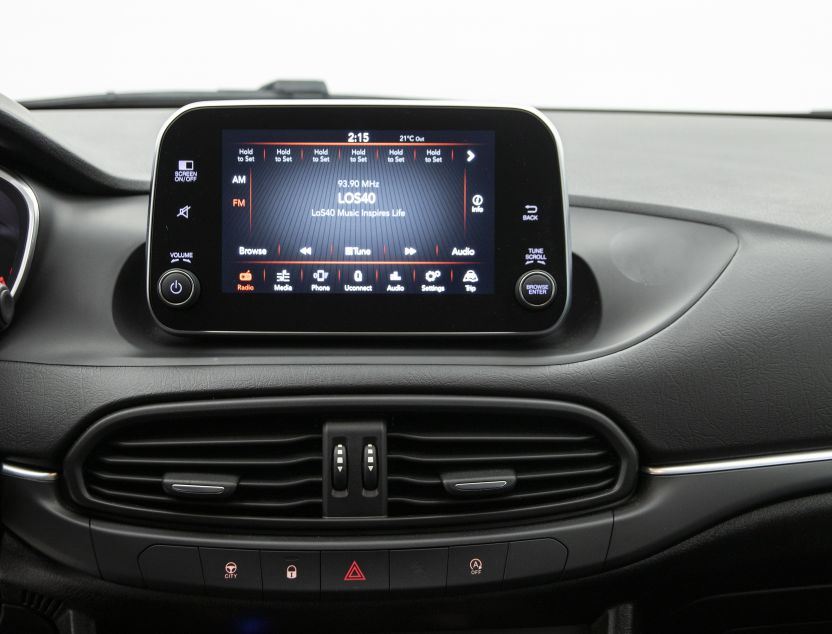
536, 289
178, 288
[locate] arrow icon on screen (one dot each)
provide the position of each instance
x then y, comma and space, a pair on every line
471, 156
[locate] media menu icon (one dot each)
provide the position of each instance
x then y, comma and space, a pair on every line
282, 280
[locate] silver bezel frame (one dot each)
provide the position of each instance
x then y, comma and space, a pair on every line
369, 103
31, 231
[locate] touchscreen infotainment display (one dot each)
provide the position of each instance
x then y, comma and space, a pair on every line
369, 218
358, 211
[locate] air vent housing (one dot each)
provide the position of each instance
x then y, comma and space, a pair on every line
559, 464
265, 457
276, 465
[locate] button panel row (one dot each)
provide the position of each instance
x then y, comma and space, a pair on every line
248, 571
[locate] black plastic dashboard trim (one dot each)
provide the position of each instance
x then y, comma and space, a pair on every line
24, 139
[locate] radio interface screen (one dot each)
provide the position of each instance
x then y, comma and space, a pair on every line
375, 218
383, 212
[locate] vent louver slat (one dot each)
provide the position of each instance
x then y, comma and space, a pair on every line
557, 464
278, 467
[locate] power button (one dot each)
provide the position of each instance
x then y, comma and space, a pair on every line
178, 288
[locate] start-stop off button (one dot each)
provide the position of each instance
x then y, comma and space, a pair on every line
178, 288
536, 289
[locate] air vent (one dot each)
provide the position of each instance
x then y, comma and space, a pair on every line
257, 464
540, 464
274, 465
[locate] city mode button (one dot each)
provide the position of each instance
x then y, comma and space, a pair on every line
231, 570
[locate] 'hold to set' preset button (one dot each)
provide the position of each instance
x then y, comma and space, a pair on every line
178, 288
536, 289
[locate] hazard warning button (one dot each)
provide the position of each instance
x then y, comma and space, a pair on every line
355, 570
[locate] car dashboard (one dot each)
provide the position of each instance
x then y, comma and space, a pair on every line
650, 452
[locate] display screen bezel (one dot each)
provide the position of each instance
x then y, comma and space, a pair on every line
528, 167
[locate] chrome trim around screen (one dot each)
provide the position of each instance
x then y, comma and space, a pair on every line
31, 230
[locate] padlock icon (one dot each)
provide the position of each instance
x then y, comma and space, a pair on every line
291, 571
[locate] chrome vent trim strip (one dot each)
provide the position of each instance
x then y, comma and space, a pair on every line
756, 462
25, 473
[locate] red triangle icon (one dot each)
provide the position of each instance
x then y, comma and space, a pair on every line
355, 573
